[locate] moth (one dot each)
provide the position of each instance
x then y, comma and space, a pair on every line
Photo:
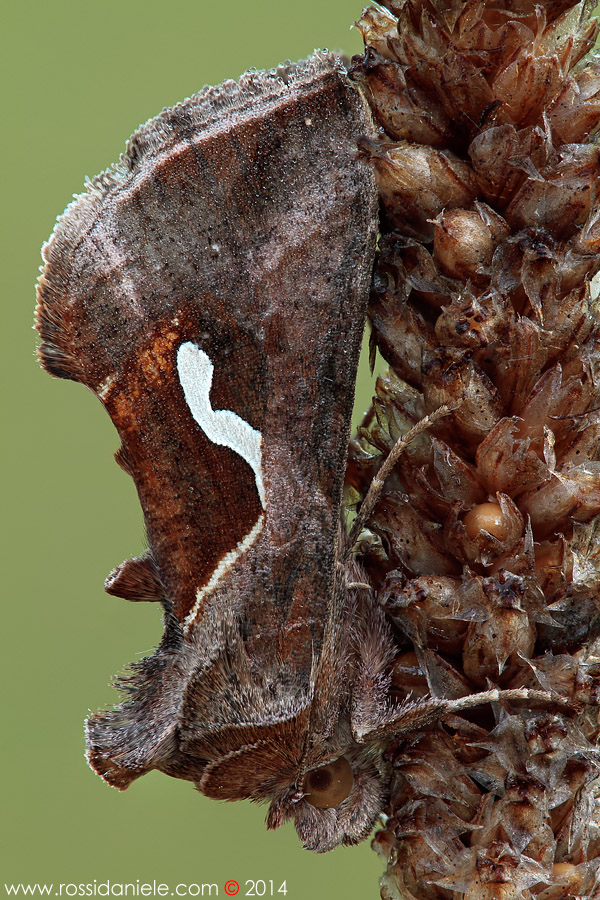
211, 290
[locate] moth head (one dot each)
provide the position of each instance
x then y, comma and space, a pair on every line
334, 794
336, 802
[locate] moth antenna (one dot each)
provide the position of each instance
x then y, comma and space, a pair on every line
378, 482
136, 579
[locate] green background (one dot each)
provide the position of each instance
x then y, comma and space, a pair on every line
79, 78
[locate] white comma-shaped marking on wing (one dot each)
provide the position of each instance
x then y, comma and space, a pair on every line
226, 428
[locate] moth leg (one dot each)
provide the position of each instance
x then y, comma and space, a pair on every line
375, 488
373, 653
412, 715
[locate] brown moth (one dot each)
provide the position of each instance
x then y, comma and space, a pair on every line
211, 290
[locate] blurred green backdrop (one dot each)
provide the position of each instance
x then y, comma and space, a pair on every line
79, 78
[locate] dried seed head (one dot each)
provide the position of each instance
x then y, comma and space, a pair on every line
416, 183
464, 242
484, 545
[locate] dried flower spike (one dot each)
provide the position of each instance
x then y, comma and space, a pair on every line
484, 545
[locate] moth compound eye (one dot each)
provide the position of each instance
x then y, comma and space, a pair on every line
329, 785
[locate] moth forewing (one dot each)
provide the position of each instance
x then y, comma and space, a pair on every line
211, 290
